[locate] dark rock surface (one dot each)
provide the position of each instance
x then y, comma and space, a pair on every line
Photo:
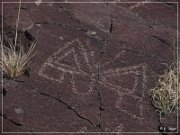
94, 67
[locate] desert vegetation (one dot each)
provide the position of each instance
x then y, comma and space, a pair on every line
15, 56
166, 94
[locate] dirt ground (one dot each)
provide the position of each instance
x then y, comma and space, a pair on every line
94, 68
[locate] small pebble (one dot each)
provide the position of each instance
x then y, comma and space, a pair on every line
91, 33
61, 38
18, 110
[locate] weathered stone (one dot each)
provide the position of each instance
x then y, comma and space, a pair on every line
94, 67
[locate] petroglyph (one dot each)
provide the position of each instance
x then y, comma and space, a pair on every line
84, 91
137, 74
43, 74
73, 58
67, 61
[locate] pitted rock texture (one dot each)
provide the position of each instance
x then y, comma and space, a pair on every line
94, 68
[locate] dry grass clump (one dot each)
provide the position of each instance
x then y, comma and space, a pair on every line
15, 58
166, 94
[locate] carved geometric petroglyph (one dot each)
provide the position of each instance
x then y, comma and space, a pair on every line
137, 74
42, 72
68, 60
75, 60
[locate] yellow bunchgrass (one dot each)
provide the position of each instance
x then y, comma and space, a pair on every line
14, 62
15, 59
166, 94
